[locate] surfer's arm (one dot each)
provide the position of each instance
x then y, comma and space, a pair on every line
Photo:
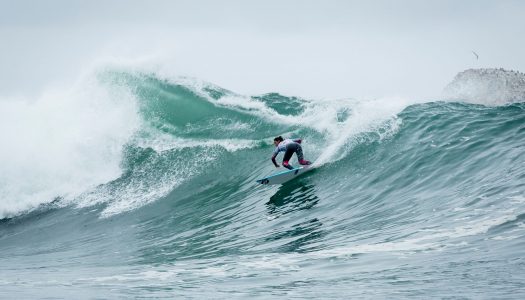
273, 160
297, 140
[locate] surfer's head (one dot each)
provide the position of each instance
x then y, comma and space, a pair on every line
277, 140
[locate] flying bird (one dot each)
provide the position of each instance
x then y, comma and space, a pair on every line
477, 56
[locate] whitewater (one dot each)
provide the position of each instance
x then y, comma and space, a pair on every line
134, 183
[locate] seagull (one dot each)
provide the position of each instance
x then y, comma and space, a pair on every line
477, 56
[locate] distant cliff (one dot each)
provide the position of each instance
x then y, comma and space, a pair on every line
487, 86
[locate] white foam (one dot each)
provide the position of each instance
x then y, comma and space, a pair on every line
366, 116
144, 185
62, 143
161, 142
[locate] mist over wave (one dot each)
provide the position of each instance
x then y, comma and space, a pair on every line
487, 86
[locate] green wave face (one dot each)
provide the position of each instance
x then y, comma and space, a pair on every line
186, 111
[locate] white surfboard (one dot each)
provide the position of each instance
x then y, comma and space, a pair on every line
285, 176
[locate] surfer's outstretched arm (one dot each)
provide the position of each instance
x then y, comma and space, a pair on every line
275, 162
297, 140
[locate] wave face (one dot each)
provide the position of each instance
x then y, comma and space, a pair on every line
135, 184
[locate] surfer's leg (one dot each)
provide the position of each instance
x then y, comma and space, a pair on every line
287, 155
299, 152
300, 157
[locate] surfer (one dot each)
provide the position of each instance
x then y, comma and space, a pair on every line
289, 147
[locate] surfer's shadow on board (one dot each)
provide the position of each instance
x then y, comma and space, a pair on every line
291, 197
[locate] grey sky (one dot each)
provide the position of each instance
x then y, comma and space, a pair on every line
308, 48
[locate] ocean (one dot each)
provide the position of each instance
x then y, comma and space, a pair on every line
135, 185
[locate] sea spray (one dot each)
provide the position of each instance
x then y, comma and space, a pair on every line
62, 143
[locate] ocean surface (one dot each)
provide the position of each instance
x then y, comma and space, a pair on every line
135, 185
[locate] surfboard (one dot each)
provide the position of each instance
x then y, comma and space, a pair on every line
285, 176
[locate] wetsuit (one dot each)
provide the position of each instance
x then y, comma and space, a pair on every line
289, 147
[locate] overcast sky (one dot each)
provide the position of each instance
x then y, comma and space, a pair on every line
321, 49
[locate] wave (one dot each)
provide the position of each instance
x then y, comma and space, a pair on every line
71, 145
154, 177
129, 138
